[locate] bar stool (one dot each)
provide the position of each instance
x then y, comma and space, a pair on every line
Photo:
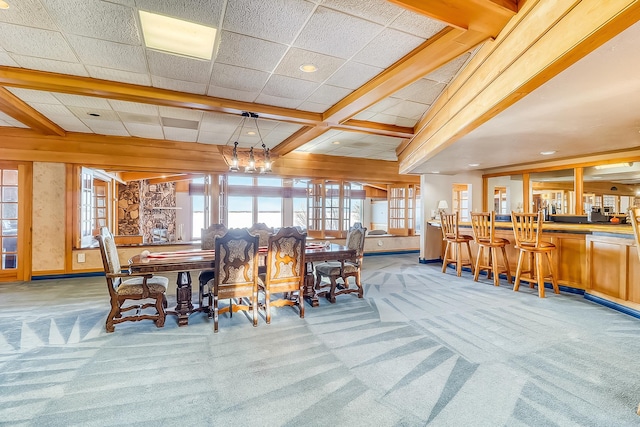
527, 230
483, 226
451, 235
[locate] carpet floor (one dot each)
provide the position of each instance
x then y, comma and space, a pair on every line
421, 348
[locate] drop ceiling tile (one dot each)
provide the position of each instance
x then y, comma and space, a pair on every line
387, 48
96, 19
144, 130
178, 134
288, 128
342, 35
226, 123
103, 53
103, 127
314, 107
290, 65
263, 19
51, 110
213, 138
408, 110
6, 60
328, 94
35, 42
278, 101
418, 25
236, 95
353, 74
71, 124
384, 104
119, 76
36, 96
393, 120
139, 118
180, 113
275, 138
178, 85
178, 67
134, 107
379, 11
381, 140
86, 113
29, 13
365, 115
249, 52
288, 87
446, 73
205, 12
238, 78
424, 91
32, 63
83, 101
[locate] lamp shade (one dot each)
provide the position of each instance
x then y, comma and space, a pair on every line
442, 204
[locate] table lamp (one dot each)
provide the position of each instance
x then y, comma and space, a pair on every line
442, 206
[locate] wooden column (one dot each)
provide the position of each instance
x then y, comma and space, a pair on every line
578, 189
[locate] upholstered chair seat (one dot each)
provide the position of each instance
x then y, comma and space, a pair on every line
134, 286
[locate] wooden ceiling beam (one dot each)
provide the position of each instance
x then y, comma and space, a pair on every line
14, 107
486, 16
298, 139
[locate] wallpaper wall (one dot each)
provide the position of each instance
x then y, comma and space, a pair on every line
48, 217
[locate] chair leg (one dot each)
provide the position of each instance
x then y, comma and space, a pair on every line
267, 304
254, 306
494, 266
554, 281
160, 308
301, 301
115, 309
445, 257
532, 268
478, 258
215, 309
470, 257
539, 274
331, 295
506, 264
516, 284
359, 285
458, 259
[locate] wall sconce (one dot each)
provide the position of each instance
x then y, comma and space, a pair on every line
238, 157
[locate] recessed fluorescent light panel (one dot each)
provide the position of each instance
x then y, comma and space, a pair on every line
177, 36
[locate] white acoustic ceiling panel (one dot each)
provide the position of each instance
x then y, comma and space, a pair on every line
249, 52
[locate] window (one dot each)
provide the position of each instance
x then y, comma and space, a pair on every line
9, 213
197, 210
460, 198
254, 199
95, 207
402, 199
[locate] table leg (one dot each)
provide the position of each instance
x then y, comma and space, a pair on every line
184, 306
309, 286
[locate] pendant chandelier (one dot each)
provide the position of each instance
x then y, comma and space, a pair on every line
246, 159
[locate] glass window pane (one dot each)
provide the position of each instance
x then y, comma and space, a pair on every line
9, 194
9, 177
270, 182
9, 210
240, 180
9, 244
9, 227
240, 203
9, 261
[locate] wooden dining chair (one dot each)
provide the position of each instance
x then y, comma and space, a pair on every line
285, 271
455, 240
527, 230
484, 233
236, 277
129, 286
263, 231
207, 241
335, 270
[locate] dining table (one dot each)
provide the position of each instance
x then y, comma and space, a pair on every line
185, 261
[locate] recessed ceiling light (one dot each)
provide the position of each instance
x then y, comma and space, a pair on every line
94, 114
473, 165
251, 133
4, 4
435, 171
308, 68
177, 36
547, 153
336, 142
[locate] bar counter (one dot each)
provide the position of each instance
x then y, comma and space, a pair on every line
597, 258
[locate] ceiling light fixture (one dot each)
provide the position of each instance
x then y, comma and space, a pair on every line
547, 153
4, 4
435, 171
308, 68
473, 165
614, 165
336, 142
177, 36
248, 158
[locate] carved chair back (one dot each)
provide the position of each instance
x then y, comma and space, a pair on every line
483, 226
209, 235
236, 260
263, 232
527, 228
355, 240
285, 257
110, 260
449, 225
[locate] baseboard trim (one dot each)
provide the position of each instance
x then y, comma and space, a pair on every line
67, 275
429, 261
613, 305
411, 251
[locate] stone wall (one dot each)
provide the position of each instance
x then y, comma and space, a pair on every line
129, 209
147, 209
